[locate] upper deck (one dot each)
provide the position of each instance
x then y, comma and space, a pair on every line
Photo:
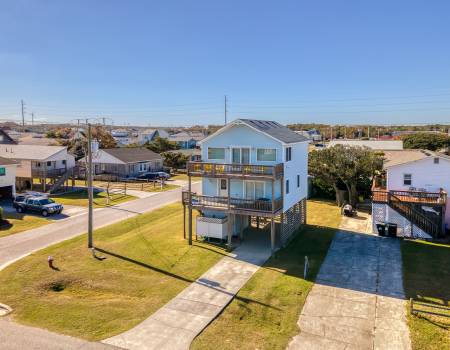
232, 170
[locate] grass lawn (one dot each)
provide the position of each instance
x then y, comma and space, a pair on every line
21, 222
80, 198
426, 278
265, 312
95, 299
184, 177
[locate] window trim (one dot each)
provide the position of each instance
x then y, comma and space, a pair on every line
222, 148
404, 179
263, 149
288, 152
244, 191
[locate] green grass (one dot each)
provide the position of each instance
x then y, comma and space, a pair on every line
265, 312
21, 222
95, 299
426, 278
184, 177
80, 198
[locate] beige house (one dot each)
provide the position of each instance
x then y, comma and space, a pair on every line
48, 163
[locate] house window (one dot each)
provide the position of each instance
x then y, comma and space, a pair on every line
287, 186
298, 180
64, 162
288, 154
38, 165
223, 184
142, 166
266, 154
436, 160
407, 179
49, 163
216, 153
2, 171
240, 155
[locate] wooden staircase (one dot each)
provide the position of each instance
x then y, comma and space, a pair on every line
415, 216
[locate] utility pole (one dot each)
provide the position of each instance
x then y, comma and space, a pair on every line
225, 109
32, 118
23, 114
368, 132
90, 191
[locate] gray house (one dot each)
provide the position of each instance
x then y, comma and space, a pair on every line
124, 162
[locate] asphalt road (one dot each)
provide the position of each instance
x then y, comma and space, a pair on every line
16, 246
12, 248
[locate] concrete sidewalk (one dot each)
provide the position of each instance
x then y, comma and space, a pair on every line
358, 299
177, 323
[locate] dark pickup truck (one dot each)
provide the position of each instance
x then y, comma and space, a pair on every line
42, 205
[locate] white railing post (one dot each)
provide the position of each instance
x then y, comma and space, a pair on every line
305, 270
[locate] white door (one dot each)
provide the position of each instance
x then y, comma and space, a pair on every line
223, 188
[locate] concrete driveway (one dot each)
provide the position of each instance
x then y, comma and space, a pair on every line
357, 301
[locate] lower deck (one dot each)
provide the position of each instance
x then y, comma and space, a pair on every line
229, 225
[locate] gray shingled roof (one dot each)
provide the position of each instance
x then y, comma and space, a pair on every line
132, 155
274, 129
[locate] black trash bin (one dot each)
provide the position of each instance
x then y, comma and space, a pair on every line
381, 228
392, 230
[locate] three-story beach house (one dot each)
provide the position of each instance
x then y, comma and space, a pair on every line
253, 171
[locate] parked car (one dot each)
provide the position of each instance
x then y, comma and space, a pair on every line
155, 176
43, 205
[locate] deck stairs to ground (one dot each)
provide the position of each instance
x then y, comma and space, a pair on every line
415, 216
60, 181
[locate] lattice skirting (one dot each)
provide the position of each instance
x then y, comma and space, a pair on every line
291, 220
382, 213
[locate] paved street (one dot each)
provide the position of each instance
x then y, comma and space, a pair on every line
14, 336
16, 246
358, 299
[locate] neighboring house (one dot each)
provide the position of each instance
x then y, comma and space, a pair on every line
41, 162
186, 140
251, 169
313, 134
5, 139
150, 135
193, 154
122, 137
412, 193
7, 178
124, 162
377, 145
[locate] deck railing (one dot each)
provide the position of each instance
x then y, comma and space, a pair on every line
382, 196
48, 172
261, 205
219, 169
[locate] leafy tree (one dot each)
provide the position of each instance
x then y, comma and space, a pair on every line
78, 146
350, 165
432, 142
160, 145
175, 160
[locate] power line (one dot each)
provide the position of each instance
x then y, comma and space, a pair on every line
225, 109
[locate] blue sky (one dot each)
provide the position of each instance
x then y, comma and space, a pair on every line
172, 62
